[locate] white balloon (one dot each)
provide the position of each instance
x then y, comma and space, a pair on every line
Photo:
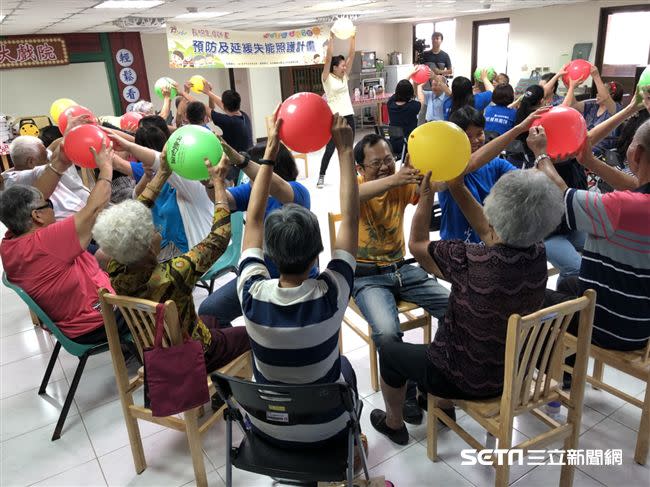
343, 28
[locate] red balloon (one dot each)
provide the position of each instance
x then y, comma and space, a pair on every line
306, 122
130, 120
78, 141
578, 69
422, 74
74, 111
566, 131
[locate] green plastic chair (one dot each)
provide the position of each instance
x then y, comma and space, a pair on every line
230, 258
77, 349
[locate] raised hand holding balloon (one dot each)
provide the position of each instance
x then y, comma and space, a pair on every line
566, 131
78, 142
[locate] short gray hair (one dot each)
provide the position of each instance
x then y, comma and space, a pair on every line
16, 205
524, 207
642, 135
144, 107
292, 238
124, 231
23, 147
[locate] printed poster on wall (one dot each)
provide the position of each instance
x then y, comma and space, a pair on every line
196, 47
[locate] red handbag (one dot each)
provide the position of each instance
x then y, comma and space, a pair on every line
175, 377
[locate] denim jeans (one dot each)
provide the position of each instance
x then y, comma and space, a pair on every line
563, 251
223, 304
377, 296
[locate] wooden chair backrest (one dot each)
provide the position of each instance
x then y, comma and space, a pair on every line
535, 350
332, 220
140, 316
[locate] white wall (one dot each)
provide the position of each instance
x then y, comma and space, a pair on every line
154, 47
383, 39
265, 94
31, 91
538, 37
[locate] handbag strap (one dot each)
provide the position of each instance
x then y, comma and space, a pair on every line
160, 324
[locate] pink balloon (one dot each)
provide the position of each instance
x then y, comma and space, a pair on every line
130, 120
578, 69
566, 131
422, 74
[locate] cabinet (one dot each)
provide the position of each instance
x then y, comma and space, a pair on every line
297, 79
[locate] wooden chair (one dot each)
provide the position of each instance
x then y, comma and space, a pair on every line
532, 378
405, 311
636, 364
296, 155
140, 316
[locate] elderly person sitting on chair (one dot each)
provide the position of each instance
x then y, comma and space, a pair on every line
489, 283
130, 245
48, 258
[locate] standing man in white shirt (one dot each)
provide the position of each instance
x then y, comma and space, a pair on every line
335, 84
31, 161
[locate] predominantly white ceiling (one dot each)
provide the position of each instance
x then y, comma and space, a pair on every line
64, 16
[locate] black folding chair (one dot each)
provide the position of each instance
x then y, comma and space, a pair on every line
394, 135
285, 405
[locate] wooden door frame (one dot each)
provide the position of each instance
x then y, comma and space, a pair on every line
475, 26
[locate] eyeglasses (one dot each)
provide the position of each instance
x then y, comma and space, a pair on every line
377, 163
48, 204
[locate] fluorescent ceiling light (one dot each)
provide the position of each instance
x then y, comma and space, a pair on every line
296, 22
201, 15
130, 4
337, 4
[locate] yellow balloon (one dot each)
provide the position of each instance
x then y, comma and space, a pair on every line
59, 106
440, 147
197, 83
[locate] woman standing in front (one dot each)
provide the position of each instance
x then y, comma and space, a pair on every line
335, 84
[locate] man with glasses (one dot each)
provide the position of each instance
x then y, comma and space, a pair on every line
383, 276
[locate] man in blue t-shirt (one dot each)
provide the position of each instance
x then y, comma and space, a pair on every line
223, 305
483, 171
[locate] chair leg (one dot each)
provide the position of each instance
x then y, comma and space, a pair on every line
427, 330
505, 443
374, 372
194, 440
432, 430
50, 367
643, 437
69, 398
133, 430
598, 372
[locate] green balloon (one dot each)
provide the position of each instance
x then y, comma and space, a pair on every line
490, 72
644, 80
165, 83
188, 147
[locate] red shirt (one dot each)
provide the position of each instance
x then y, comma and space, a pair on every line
60, 276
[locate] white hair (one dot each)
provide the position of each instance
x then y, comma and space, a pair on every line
524, 207
24, 147
144, 107
124, 231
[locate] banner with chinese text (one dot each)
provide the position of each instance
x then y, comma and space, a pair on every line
28, 53
192, 47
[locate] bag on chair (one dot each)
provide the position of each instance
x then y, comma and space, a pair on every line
175, 378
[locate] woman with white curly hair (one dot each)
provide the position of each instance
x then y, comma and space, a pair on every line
127, 235
489, 282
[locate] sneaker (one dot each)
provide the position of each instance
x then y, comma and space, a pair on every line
412, 412
378, 421
321, 181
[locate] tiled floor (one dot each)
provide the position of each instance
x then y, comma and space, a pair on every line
93, 449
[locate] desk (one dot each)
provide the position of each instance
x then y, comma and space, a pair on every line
369, 102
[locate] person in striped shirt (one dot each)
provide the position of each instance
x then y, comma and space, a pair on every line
294, 321
616, 257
